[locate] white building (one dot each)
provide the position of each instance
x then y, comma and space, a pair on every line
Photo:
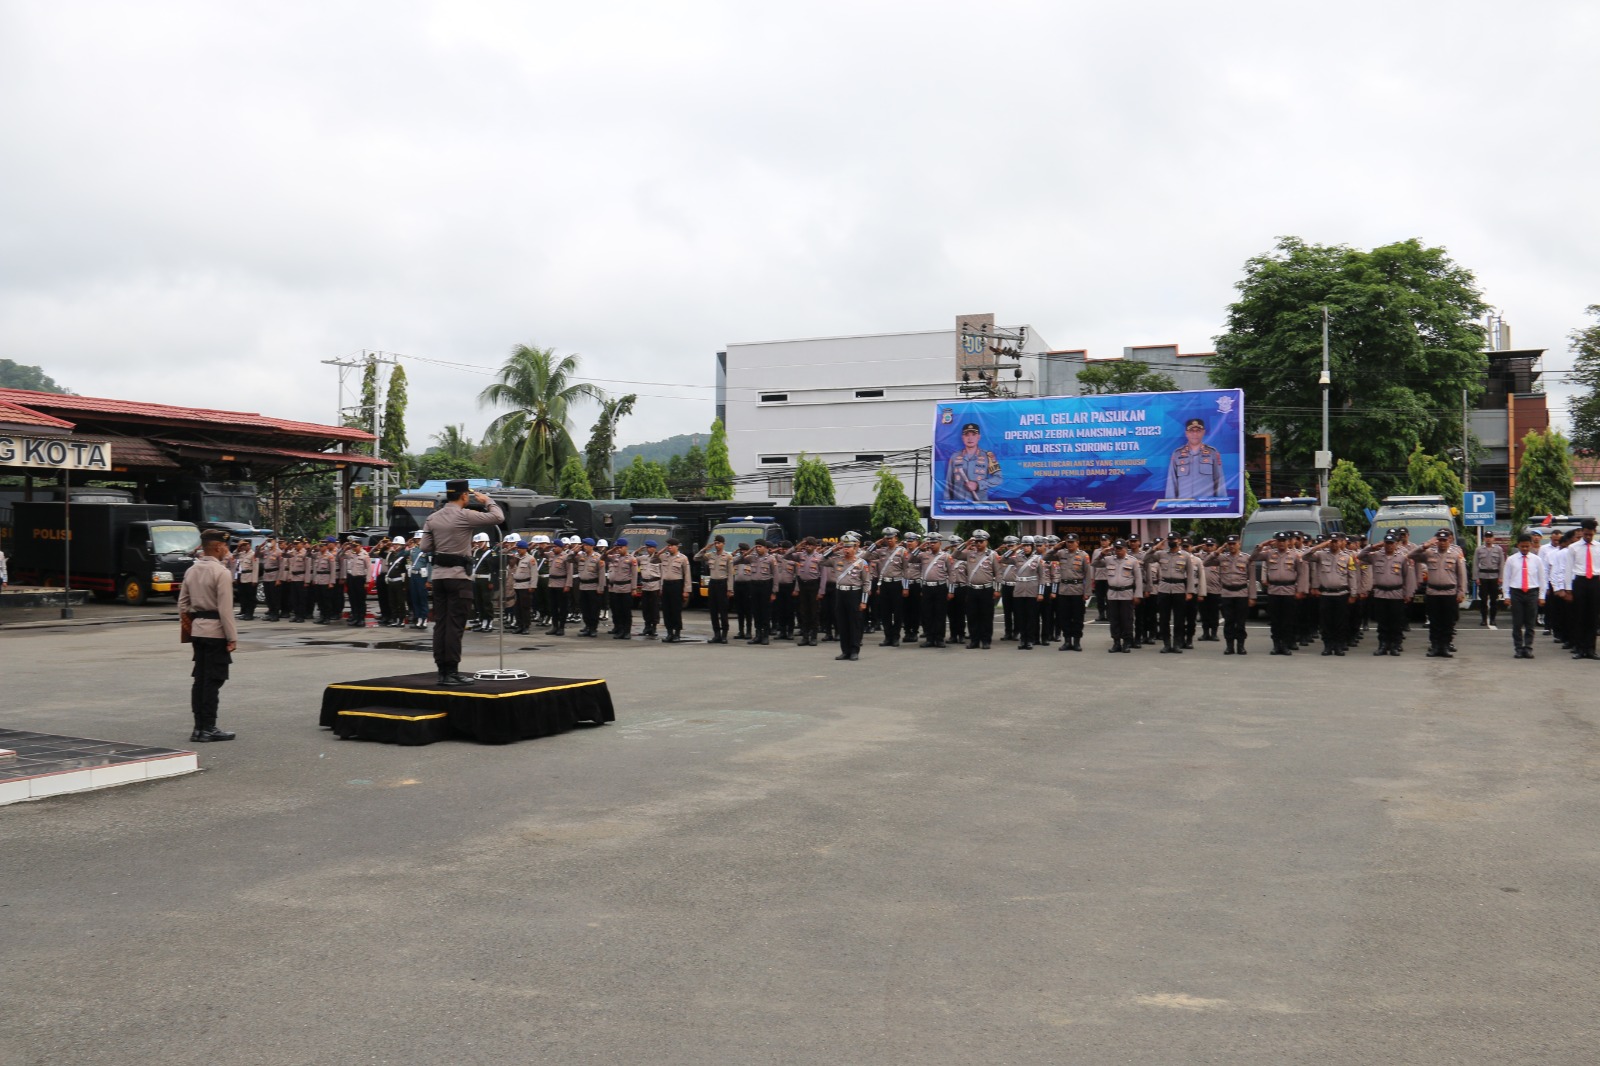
862, 402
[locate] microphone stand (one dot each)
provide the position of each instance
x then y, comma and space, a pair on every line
501, 673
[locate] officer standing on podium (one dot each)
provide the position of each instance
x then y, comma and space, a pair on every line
448, 535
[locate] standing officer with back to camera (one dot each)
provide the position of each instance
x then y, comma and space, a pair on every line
205, 601
448, 536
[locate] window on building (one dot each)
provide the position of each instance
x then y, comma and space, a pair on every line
774, 460
870, 458
774, 397
781, 486
869, 394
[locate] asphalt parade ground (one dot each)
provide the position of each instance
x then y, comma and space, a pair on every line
923, 857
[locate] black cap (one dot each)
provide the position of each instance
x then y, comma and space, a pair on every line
1281, 535
971, 427
1193, 422
1211, 541
456, 487
1233, 538
1442, 533
1389, 538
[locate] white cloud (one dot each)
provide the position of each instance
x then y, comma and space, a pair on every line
204, 201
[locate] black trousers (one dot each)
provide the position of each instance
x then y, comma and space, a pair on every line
672, 605
589, 607
558, 609
524, 608
1442, 614
744, 594
1007, 612
1169, 608
1390, 617
1584, 613
891, 608
297, 599
935, 601
1025, 619
452, 602
980, 616
1070, 610
807, 606
650, 609
621, 612
245, 597
1488, 599
1234, 611
759, 597
1524, 616
1281, 617
211, 661
330, 601
783, 609
1101, 590
911, 610
851, 619
1333, 610
274, 600
1211, 612
956, 612
1120, 614
482, 600
356, 589
717, 599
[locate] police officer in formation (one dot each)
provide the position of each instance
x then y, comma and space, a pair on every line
944, 588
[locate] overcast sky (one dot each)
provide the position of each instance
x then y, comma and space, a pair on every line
201, 201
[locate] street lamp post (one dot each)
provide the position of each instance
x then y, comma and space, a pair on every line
1325, 456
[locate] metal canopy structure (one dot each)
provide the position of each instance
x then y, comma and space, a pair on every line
153, 439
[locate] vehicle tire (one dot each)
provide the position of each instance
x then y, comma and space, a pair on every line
134, 591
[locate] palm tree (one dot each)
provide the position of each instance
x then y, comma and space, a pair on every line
532, 439
454, 442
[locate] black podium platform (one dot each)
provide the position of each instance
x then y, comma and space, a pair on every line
415, 709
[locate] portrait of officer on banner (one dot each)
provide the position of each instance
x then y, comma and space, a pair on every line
972, 471
1195, 470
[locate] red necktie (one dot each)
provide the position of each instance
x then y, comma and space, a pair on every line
1524, 572
1588, 559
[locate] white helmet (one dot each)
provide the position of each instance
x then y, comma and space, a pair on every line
601, 543
480, 538
510, 538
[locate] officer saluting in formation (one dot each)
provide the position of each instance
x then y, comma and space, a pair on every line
1442, 568
854, 585
448, 535
1237, 590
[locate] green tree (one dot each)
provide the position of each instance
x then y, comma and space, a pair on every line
1544, 480
439, 466
533, 438
1122, 375
32, 378
1404, 340
719, 471
602, 446
453, 442
1431, 475
1349, 491
392, 446
813, 484
891, 506
640, 480
1585, 347
574, 483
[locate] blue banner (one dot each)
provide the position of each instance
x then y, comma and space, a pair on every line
1133, 455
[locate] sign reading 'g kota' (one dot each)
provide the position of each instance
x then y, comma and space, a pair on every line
55, 453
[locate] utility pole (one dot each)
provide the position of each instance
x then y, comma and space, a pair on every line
1325, 456
381, 477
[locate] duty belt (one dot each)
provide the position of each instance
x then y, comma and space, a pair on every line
1283, 584
1121, 588
986, 585
446, 559
1234, 588
205, 614
1324, 588
1168, 581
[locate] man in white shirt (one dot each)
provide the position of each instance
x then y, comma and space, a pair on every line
1582, 582
1550, 553
1522, 584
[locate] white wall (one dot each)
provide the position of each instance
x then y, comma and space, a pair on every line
823, 417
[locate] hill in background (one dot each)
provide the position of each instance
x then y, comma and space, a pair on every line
660, 450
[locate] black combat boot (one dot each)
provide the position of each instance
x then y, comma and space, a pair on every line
1229, 649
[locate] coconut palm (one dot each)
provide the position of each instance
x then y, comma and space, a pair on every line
533, 438
454, 442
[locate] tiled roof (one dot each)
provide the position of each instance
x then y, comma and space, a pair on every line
94, 405
17, 415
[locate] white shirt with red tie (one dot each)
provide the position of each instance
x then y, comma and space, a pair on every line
1522, 572
1582, 560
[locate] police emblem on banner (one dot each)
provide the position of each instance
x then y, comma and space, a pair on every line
1225, 405
946, 416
